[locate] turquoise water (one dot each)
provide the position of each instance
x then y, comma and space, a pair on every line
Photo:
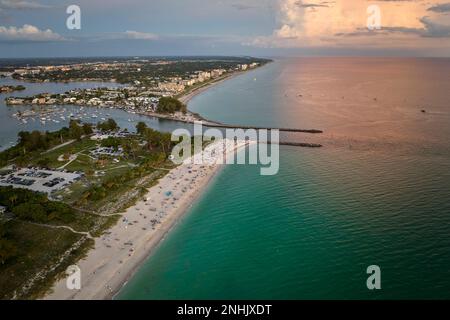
376, 194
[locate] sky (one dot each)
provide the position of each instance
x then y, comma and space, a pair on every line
37, 28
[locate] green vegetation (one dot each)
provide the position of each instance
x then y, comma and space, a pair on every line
7, 89
170, 105
144, 70
8, 248
108, 125
31, 249
35, 207
148, 152
31, 144
35, 237
31, 241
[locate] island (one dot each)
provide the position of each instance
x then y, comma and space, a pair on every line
8, 89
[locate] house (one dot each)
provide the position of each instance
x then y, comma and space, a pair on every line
243, 67
13, 101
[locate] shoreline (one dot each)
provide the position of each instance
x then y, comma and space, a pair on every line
178, 216
186, 97
105, 273
121, 251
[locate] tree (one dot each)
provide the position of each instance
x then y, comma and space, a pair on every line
111, 142
131, 147
141, 127
13, 199
108, 125
30, 211
76, 131
170, 105
44, 162
87, 128
165, 141
112, 124
7, 250
152, 138
23, 137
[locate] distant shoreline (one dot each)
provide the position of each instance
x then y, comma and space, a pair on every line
186, 97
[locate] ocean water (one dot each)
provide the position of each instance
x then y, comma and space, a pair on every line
376, 194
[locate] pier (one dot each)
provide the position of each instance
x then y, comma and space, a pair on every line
227, 126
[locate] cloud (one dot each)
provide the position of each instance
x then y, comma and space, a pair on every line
443, 7
430, 29
240, 6
292, 25
315, 23
21, 5
434, 29
312, 5
136, 35
28, 33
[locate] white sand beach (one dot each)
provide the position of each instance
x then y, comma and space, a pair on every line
119, 253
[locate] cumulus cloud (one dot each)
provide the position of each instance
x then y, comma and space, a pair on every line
28, 33
434, 29
315, 23
290, 26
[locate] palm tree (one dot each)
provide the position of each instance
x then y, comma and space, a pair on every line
13, 199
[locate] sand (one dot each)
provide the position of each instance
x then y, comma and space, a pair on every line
119, 253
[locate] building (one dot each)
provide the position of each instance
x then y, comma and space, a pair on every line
217, 73
189, 82
171, 86
243, 67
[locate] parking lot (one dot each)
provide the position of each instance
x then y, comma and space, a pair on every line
40, 180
